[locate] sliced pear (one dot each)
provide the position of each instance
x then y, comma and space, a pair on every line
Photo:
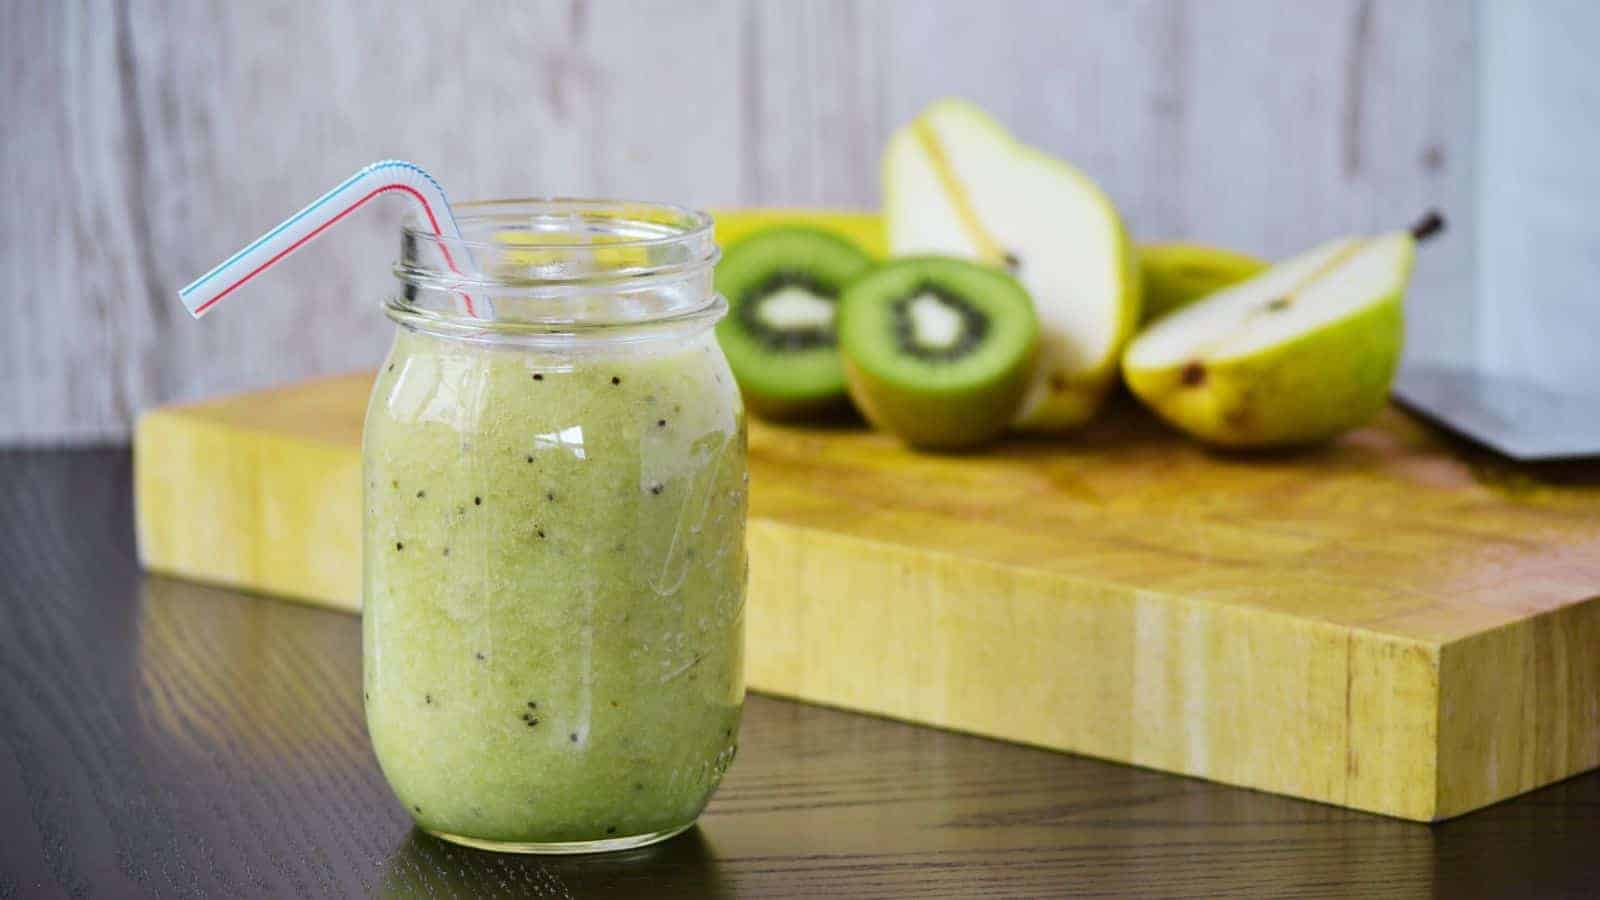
1177, 274
957, 183
865, 229
1296, 355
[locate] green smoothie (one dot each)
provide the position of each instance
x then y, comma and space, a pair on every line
554, 583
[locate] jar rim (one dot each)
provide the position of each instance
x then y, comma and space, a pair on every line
683, 224
556, 264
559, 244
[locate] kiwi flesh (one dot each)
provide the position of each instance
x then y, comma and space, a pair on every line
782, 285
938, 350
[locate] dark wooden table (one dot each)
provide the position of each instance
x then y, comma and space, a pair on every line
168, 739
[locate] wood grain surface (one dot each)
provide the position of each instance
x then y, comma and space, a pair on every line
1395, 621
164, 739
149, 140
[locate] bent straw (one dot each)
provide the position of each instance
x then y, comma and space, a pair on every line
299, 229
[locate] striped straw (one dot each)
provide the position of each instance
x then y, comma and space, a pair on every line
297, 230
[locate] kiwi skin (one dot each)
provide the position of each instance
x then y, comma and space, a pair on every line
764, 395
940, 422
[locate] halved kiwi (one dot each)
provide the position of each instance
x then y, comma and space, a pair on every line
782, 285
938, 350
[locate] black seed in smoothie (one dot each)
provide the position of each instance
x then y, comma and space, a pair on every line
447, 551
480, 656
655, 488
538, 376
611, 829
477, 501
427, 698
391, 367
530, 457
638, 785
615, 380
541, 533
661, 423
398, 545
574, 737
551, 496
417, 808
532, 705
421, 494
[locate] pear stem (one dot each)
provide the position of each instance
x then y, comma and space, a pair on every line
1426, 227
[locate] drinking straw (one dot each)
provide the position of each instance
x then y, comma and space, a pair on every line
299, 229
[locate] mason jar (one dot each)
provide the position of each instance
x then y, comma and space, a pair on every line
555, 494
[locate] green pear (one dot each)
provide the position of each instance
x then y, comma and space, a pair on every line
956, 183
1295, 355
1177, 274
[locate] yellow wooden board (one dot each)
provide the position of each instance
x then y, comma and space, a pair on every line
1392, 623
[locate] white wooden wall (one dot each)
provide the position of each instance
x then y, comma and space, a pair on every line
143, 141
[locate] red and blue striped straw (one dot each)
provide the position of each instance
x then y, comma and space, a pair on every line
299, 229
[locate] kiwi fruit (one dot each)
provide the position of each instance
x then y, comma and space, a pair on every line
938, 350
782, 285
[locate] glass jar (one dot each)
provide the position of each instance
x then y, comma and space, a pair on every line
555, 566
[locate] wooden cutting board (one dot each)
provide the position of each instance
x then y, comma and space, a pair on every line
1392, 623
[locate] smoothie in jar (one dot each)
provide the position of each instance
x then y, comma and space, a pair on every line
554, 584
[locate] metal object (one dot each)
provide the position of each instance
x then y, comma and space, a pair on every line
1521, 419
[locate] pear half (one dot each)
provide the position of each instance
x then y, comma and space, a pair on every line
1295, 355
957, 183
